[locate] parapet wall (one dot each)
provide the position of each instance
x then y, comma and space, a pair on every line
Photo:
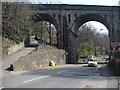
8, 50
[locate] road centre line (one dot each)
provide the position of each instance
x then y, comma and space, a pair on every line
36, 79
2, 88
62, 71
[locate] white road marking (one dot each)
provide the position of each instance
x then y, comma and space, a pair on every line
36, 79
2, 87
99, 66
62, 71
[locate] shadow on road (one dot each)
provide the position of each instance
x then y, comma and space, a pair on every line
78, 71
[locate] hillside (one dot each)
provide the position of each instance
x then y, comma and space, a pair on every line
7, 42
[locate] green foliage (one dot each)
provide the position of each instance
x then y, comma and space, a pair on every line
88, 34
85, 49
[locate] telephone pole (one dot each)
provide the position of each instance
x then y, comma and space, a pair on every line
119, 3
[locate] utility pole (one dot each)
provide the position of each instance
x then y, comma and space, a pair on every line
119, 3
50, 33
41, 30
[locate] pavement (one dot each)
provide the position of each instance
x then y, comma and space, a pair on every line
7, 61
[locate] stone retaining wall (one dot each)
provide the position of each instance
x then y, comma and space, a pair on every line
115, 62
8, 50
15, 48
40, 58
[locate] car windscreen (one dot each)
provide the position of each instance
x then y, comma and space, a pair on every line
92, 60
90, 56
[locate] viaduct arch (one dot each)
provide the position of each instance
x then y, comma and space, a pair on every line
47, 17
68, 18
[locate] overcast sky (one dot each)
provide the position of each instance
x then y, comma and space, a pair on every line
87, 2
92, 2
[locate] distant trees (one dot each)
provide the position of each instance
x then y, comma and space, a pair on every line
98, 42
16, 21
45, 31
85, 49
46, 1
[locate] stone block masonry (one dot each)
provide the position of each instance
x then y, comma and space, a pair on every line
115, 61
68, 18
9, 50
15, 48
40, 58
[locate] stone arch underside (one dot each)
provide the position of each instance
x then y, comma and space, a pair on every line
89, 17
47, 17
73, 39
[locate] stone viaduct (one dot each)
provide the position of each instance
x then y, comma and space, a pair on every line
68, 18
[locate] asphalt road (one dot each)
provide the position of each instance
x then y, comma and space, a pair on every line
68, 76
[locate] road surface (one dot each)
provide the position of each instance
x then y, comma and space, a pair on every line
68, 76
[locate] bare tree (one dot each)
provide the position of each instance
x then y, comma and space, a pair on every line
88, 34
16, 21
